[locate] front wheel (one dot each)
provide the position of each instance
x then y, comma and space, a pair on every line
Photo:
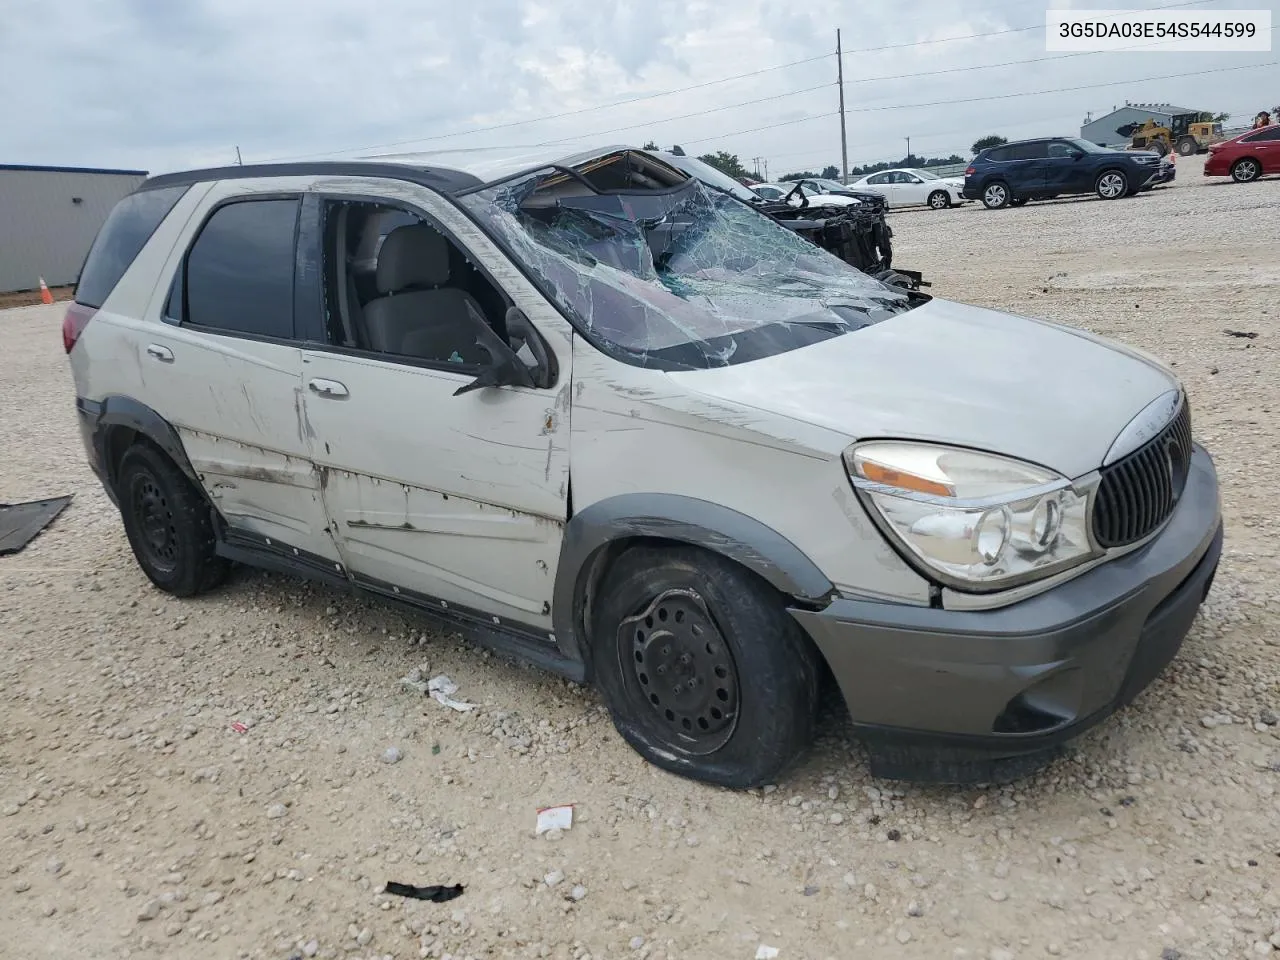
1187, 146
996, 195
705, 673
1111, 185
1246, 170
168, 524
939, 199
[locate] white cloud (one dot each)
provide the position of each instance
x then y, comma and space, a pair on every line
160, 85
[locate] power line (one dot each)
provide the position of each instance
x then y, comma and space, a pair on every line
720, 80
1002, 96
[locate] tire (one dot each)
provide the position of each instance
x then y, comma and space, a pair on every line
939, 200
995, 195
665, 616
1188, 146
168, 524
1246, 170
1111, 185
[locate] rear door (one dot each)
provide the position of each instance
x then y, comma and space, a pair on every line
1028, 167
1265, 147
224, 367
881, 183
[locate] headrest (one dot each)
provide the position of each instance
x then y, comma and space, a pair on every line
412, 255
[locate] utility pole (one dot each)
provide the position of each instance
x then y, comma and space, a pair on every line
908, 151
844, 142
766, 165
239, 162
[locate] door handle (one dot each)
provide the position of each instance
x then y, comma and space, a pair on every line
329, 389
163, 354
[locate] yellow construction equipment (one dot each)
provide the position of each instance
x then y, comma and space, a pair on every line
1187, 133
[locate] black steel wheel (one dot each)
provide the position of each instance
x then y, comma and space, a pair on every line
704, 671
168, 523
683, 668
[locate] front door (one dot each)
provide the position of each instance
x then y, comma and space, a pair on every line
451, 500
1065, 169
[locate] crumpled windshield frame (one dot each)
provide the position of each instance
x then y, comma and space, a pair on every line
677, 276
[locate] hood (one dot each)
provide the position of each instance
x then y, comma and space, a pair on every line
952, 373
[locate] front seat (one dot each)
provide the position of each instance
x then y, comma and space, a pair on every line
415, 314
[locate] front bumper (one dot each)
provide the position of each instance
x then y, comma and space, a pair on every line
962, 696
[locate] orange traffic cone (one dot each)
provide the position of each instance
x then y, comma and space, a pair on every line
45, 295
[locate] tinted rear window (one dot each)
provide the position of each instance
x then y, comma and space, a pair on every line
1030, 151
1265, 135
239, 274
999, 154
127, 230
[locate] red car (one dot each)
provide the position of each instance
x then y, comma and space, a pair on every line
1246, 157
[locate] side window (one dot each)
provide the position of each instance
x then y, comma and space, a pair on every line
1265, 135
239, 274
1061, 151
396, 285
1030, 151
1000, 154
880, 179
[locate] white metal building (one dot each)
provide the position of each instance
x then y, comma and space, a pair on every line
1103, 130
49, 217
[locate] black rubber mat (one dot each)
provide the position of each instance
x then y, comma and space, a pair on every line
20, 523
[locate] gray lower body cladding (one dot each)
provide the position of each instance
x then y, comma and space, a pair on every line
950, 694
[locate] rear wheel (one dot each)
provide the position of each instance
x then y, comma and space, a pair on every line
1111, 185
168, 524
704, 671
996, 195
1246, 170
939, 199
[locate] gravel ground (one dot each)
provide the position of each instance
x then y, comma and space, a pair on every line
215, 777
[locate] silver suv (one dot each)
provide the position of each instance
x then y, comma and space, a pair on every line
597, 415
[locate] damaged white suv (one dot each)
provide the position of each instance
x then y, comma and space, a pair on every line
602, 416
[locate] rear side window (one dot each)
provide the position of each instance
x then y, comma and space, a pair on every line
128, 228
239, 272
1265, 135
1030, 151
999, 154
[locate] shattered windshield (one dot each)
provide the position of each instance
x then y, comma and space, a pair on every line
677, 276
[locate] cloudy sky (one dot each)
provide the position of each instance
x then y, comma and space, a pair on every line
166, 84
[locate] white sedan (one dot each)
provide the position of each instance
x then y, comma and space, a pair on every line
905, 187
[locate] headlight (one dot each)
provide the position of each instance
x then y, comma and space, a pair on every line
975, 521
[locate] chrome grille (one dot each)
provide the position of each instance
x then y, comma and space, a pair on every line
1138, 493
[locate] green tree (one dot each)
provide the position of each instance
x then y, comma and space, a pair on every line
831, 172
726, 163
991, 141
1220, 118
650, 145
798, 175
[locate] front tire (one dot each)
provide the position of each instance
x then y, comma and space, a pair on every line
996, 195
939, 200
168, 524
705, 673
1246, 170
1111, 185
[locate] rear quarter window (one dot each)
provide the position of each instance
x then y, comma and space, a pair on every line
999, 154
126, 231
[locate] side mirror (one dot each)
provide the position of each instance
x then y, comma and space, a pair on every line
1077, 155
520, 333
505, 368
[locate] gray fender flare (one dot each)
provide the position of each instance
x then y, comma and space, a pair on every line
121, 411
699, 523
